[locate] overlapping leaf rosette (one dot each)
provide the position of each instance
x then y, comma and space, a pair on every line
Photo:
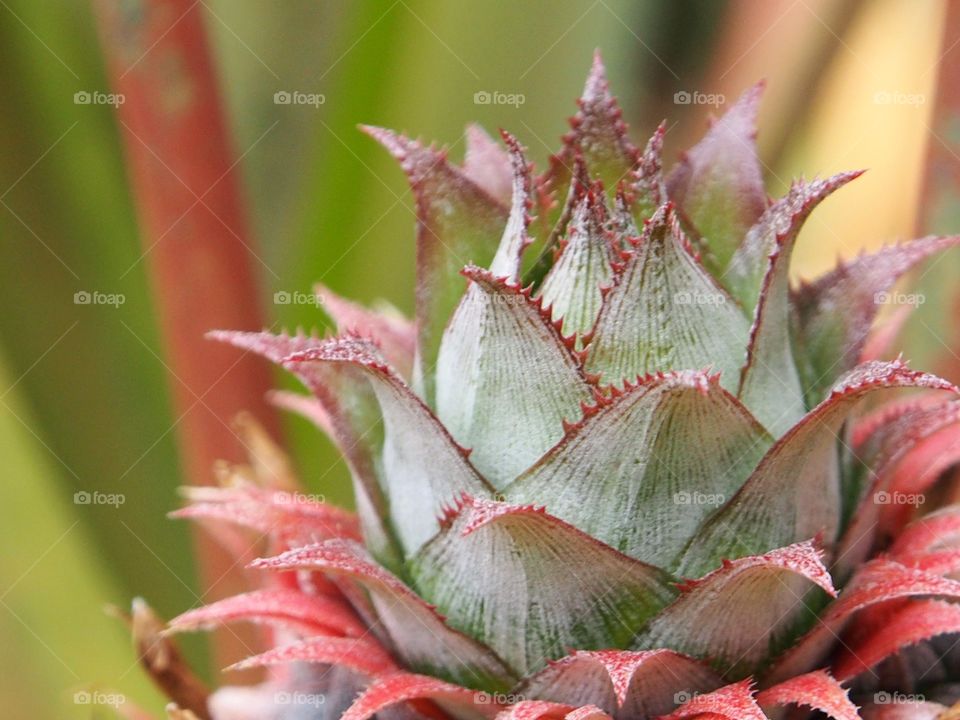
617, 467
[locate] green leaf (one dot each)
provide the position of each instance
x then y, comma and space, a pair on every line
775, 233
735, 614
458, 223
665, 312
770, 383
573, 288
718, 184
832, 316
506, 378
794, 493
349, 413
530, 586
645, 467
420, 637
423, 469
647, 187
509, 256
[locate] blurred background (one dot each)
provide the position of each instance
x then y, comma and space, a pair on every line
91, 403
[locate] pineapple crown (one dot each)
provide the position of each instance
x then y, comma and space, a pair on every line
617, 466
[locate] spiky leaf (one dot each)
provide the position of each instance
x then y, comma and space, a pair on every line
457, 223
506, 378
795, 491
877, 582
358, 654
731, 702
624, 684
734, 615
572, 288
777, 228
406, 687
349, 412
509, 256
420, 637
317, 614
566, 589
598, 134
770, 383
643, 469
832, 316
665, 312
718, 184
423, 468
817, 691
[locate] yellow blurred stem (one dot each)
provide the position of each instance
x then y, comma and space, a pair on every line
872, 111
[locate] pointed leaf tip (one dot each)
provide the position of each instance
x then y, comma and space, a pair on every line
736, 613
816, 690
665, 312
487, 546
599, 133
524, 378
649, 452
573, 288
770, 382
509, 256
731, 702
458, 222
423, 467
719, 183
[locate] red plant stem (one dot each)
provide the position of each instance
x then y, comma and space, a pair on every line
196, 241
